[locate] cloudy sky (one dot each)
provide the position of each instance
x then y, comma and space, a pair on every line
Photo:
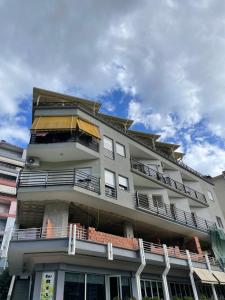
160, 63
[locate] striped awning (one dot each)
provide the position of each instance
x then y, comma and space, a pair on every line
88, 128
220, 276
54, 123
46, 123
205, 276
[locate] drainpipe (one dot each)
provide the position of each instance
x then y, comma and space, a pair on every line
210, 270
165, 273
192, 276
140, 269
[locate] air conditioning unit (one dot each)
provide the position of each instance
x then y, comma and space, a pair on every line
33, 162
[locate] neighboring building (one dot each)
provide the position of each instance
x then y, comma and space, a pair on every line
11, 162
105, 211
219, 182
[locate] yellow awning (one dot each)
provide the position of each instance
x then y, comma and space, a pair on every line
220, 276
205, 276
54, 123
88, 128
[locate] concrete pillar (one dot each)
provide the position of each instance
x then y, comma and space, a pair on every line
55, 220
128, 230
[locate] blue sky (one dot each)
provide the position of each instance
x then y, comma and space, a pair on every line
160, 63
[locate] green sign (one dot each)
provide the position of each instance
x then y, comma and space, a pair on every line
47, 286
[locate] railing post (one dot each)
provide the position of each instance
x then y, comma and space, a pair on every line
46, 179
185, 217
74, 177
137, 199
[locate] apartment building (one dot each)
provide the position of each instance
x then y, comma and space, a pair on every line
11, 162
107, 212
219, 182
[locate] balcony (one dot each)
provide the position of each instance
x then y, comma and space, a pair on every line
70, 177
167, 181
165, 211
63, 137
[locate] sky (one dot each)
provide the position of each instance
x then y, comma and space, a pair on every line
160, 63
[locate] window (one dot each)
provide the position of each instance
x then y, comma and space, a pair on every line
123, 183
219, 222
74, 286
210, 195
158, 201
120, 149
108, 147
95, 287
110, 184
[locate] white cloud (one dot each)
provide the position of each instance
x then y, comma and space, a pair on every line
207, 158
168, 54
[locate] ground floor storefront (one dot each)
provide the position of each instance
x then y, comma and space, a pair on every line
83, 283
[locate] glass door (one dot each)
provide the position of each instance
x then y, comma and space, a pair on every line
115, 287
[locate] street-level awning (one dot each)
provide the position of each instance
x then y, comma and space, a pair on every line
46, 123
205, 276
54, 123
220, 276
88, 128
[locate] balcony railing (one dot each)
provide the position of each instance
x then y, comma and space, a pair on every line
91, 235
72, 177
110, 191
145, 203
63, 137
140, 167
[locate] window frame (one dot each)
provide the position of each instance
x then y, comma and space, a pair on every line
210, 196
110, 153
155, 200
114, 174
126, 189
123, 147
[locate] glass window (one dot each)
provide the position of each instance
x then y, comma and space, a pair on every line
109, 178
154, 289
120, 149
158, 201
74, 286
126, 288
210, 195
108, 147
143, 288
108, 143
219, 222
148, 288
123, 183
95, 287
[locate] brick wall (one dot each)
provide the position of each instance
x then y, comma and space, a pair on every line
117, 241
194, 245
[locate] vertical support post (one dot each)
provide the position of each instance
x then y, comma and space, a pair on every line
72, 239
110, 251
165, 272
140, 269
210, 270
192, 276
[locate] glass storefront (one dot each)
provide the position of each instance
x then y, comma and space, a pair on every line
80, 286
151, 288
180, 290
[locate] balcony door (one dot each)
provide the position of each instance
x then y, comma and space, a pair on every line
115, 287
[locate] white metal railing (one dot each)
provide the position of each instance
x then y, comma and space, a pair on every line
47, 233
81, 234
